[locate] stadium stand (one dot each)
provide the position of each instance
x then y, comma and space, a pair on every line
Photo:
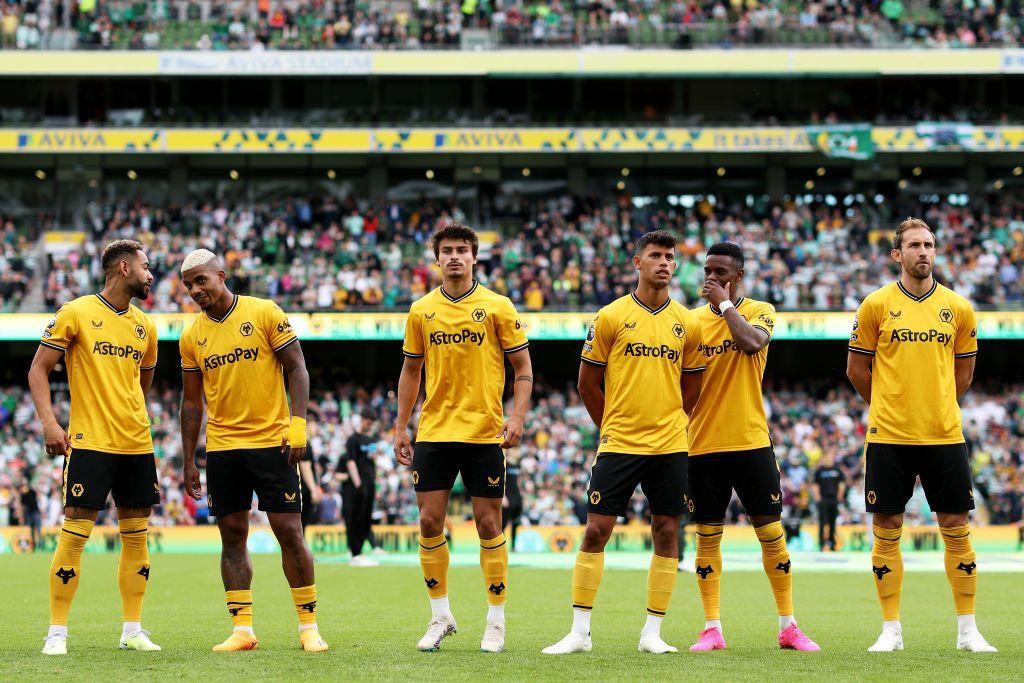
806, 421
565, 253
295, 25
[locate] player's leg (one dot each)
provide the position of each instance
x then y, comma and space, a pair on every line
230, 488
613, 479
277, 487
350, 513
822, 522
664, 483
88, 478
710, 483
434, 468
135, 492
946, 479
483, 472
759, 488
889, 476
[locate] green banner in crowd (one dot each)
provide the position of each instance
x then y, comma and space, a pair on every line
843, 142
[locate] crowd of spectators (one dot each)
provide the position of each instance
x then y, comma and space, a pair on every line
806, 421
330, 24
561, 253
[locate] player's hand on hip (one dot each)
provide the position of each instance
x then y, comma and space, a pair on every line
512, 432
190, 476
403, 447
716, 293
55, 439
295, 455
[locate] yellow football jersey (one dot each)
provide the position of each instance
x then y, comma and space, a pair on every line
644, 353
914, 341
242, 377
730, 414
464, 341
105, 352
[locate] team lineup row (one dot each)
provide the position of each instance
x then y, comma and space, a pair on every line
675, 393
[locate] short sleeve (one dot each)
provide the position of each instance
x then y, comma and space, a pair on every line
693, 359
511, 332
149, 358
600, 339
62, 330
764, 319
864, 337
966, 343
413, 344
278, 328
188, 356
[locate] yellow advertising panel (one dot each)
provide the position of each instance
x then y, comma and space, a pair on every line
253, 140
476, 140
59, 140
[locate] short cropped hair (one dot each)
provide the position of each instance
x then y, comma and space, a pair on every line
662, 238
455, 231
910, 223
730, 249
115, 251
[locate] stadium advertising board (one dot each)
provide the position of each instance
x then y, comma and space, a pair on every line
554, 326
331, 540
570, 62
852, 142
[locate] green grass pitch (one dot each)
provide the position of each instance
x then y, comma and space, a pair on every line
372, 617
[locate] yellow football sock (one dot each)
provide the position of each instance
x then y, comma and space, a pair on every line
887, 565
586, 579
305, 603
494, 562
709, 569
777, 565
434, 562
66, 567
133, 569
961, 568
240, 607
661, 579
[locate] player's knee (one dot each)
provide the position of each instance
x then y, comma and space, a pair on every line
595, 537
488, 526
431, 524
664, 534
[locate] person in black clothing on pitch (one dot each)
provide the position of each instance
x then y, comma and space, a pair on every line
512, 505
828, 479
358, 491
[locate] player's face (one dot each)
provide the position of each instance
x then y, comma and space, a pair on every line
455, 257
138, 277
656, 265
917, 253
722, 270
204, 284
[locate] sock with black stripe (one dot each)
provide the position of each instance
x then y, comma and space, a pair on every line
708, 570
66, 568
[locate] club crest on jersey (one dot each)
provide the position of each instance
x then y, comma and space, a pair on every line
678, 330
479, 314
595, 497
77, 490
946, 315
140, 331
872, 497
245, 328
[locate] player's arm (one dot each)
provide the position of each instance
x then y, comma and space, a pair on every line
191, 419
408, 390
589, 386
963, 372
522, 388
858, 370
748, 338
294, 364
54, 437
691, 384
146, 380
